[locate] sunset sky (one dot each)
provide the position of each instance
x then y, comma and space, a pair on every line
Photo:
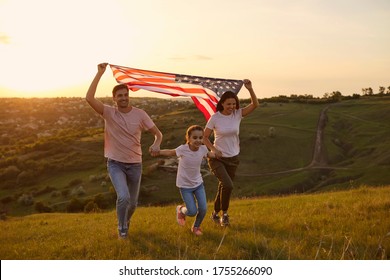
51, 48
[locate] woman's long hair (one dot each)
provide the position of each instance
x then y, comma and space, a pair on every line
227, 95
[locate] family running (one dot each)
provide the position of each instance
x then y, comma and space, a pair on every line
124, 125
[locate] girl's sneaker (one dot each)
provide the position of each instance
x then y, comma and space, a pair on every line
197, 231
180, 217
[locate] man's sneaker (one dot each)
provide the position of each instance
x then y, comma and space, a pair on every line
225, 220
215, 217
180, 217
197, 231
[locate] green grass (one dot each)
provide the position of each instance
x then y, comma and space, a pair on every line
350, 224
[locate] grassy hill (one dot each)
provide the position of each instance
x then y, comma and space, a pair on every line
350, 224
51, 148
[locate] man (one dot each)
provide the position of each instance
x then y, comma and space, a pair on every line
122, 148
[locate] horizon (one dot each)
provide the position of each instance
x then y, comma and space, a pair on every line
147, 94
285, 48
161, 96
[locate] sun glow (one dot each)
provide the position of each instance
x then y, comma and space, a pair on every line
42, 51
48, 47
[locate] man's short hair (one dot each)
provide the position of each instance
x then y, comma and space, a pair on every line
118, 87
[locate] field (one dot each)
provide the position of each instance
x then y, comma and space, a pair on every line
290, 201
343, 225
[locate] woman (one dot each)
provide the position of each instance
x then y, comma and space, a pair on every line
225, 124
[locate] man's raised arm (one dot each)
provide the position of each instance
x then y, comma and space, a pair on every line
90, 97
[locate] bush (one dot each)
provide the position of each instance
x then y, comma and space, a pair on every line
65, 192
8, 184
91, 207
55, 194
78, 191
11, 172
45, 190
26, 199
75, 205
101, 201
42, 208
7, 199
27, 178
75, 182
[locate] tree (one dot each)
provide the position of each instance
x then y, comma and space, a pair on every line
356, 96
367, 91
336, 96
382, 90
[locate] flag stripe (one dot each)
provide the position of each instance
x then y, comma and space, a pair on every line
121, 75
144, 73
205, 106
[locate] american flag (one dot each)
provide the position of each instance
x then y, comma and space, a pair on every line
205, 92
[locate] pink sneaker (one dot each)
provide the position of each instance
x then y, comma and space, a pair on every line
197, 231
180, 217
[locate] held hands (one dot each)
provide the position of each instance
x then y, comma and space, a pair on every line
154, 150
217, 153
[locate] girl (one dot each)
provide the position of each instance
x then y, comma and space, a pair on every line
189, 179
226, 126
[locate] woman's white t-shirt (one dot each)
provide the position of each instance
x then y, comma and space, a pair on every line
226, 132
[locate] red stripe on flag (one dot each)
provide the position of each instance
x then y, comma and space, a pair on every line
207, 107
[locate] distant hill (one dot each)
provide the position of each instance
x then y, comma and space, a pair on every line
52, 151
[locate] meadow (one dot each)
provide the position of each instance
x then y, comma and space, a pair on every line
341, 225
57, 201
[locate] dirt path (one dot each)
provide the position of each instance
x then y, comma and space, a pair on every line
320, 157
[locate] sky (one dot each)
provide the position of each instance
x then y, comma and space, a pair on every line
51, 48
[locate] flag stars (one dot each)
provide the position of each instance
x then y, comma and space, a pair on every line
219, 86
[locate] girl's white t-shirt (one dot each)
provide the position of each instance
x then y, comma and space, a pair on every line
226, 132
188, 172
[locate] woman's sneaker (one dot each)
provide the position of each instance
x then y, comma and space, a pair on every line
215, 217
122, 235
197, 231
225, 220
180, 217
